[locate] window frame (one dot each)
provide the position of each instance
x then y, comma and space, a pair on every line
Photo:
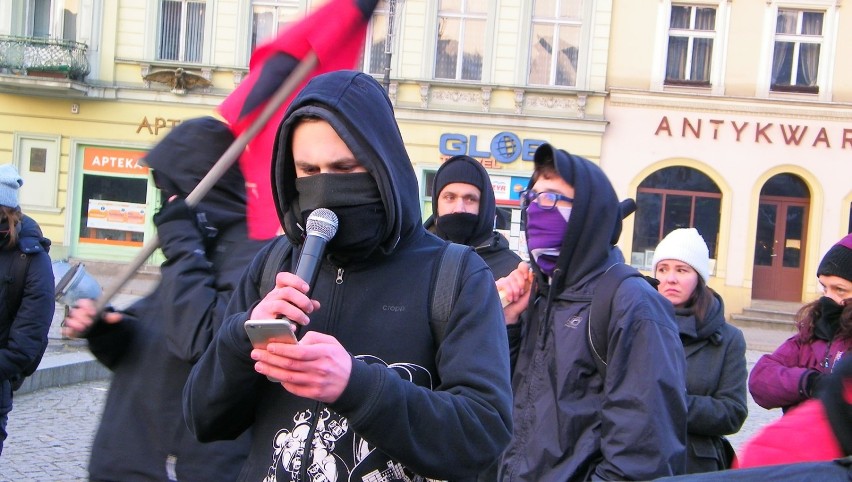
487, 46
583, 54
277, 6
827, 60
382, 10
659, 62
206, 32
797, 39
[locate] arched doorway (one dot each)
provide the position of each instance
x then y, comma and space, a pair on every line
780, 242
670, 198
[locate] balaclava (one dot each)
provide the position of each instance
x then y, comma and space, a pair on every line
464, 228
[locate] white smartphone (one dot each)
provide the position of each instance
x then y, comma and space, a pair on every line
261, 332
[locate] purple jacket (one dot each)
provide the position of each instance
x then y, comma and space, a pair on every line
776, 378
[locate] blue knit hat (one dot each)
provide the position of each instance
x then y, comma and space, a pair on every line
10, 182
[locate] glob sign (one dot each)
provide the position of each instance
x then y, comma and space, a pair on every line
505, 147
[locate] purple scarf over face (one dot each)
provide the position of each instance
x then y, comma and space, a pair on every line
545, 230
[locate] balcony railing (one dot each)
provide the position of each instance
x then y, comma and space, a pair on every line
42, 56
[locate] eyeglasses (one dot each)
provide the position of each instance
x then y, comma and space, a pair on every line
545, 200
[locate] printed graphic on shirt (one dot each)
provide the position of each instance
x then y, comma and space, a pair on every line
336, 453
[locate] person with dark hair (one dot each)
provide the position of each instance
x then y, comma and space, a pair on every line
26, 293
464, 212
151, 346
572, 420
818, 429
795, 370
716, 372
370, 391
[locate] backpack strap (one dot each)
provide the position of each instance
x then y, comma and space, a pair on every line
273, 263
600, 313
445, 288
16, 279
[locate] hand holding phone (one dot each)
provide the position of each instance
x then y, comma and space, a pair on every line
263, 332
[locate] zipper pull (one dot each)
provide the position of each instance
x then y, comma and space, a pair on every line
171, 467
339, 279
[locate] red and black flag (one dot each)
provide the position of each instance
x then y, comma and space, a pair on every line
336, 33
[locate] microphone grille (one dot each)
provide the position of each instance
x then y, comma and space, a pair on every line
323, 223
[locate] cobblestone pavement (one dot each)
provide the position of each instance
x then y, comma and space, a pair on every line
51, 431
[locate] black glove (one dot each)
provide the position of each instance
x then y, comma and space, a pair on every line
814, 383
173, 211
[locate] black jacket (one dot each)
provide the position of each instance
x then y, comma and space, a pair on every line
570, 423
408, 408
716, 378
142, 434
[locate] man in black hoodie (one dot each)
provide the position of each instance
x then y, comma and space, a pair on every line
367, 393
464, 211
151, 346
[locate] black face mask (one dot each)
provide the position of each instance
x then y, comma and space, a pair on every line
457, 227
828, 322
357, 202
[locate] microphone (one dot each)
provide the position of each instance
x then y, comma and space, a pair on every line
321, 226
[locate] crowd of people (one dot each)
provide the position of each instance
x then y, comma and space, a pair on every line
513, 386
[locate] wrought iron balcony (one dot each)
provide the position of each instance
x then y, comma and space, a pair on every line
43, 57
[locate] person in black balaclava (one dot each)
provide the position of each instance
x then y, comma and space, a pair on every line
463, 211
794, 372
369, 391
151, 346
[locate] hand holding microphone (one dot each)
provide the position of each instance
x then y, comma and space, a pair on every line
514, 291
291, 296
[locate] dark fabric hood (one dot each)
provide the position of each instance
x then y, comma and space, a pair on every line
182, 159
360, 112
595, 222
487, 208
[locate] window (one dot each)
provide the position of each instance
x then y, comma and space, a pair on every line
555, 42
795, 58
375, 58
37, 160
692, 30
671, 198
182, 30
461, 39
268, 17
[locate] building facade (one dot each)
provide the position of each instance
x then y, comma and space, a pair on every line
78, 106
734, 118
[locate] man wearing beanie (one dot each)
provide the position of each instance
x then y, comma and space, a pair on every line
715, 351
26, 297
797, 370
464, 211
151, 346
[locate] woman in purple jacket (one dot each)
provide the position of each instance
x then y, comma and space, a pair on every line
795, 371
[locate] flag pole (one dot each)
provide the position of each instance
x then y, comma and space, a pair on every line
291, 83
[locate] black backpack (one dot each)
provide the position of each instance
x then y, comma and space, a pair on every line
600, 313
445, 280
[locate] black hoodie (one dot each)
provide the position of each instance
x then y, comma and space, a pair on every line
492, 246
408, 408
142, 434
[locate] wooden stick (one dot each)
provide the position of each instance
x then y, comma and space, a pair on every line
291, 83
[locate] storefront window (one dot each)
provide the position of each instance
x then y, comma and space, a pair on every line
113, 197
671, 198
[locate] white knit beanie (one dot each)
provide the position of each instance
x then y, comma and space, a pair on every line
687, 246
10, 182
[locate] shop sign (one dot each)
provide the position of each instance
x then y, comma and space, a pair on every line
756, 132
114, 161
505, 147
